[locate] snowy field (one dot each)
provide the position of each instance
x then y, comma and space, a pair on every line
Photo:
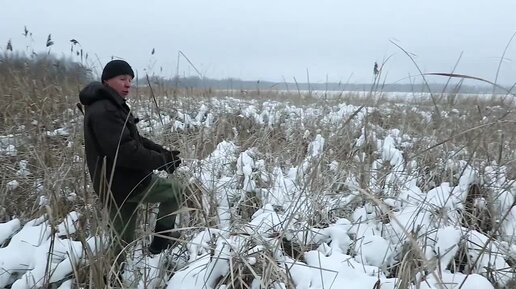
318, 194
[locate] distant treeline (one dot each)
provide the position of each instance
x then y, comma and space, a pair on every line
65, 71
238, 84
43, 67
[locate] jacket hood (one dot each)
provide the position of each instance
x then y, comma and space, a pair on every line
97, 91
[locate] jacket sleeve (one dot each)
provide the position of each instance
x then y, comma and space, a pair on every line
115, 140
147, 143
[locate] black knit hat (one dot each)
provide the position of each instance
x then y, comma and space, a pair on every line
115, 68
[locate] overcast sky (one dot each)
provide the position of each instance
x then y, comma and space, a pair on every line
276, 40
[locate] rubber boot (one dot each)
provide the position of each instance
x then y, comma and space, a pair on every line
163, 239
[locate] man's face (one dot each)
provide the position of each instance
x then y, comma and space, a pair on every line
121, 84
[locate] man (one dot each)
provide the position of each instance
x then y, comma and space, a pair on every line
121, 162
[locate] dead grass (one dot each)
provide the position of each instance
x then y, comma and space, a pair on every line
477, 130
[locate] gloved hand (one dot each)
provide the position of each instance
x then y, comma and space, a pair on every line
172, 160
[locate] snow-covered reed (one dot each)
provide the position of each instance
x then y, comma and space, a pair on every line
315, 193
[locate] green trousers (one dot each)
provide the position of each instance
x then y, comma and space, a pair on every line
167, 192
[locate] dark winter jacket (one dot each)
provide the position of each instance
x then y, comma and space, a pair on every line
111, 137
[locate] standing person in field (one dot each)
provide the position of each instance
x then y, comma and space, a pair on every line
121, 161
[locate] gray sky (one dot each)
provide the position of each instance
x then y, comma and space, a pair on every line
276, 40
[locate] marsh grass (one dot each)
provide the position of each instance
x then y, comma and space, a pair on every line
40, 98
